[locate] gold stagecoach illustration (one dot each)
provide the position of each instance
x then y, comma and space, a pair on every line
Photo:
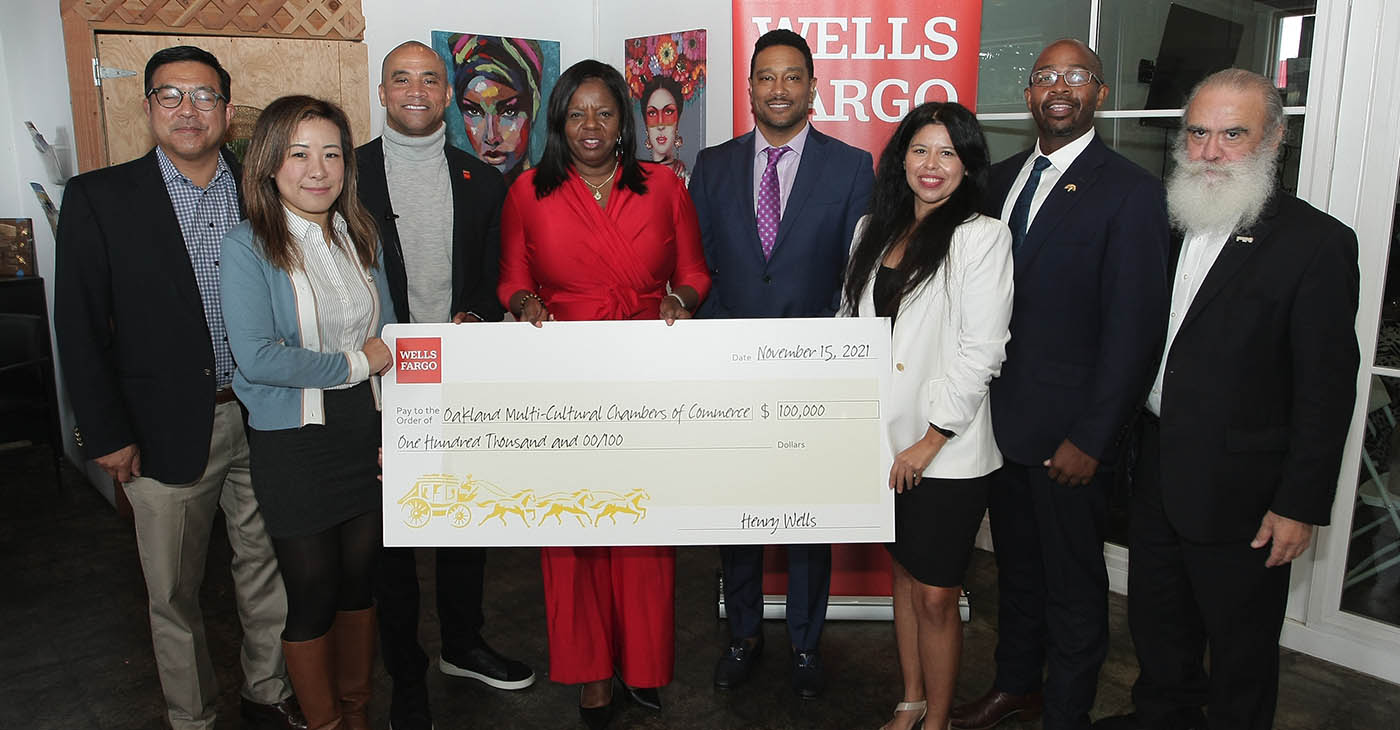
444, 495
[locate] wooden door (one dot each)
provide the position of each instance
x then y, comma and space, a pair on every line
262, 69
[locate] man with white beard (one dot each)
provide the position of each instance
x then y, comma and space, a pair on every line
1243, 433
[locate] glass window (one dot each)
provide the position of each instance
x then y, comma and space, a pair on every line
1154, 51
1373, 554
1013, 33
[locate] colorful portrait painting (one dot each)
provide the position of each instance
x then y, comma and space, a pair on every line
499, 89
666, 75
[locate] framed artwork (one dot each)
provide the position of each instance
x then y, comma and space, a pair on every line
666, 75
500, 86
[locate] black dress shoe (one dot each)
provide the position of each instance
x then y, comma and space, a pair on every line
807, 678
735, 666
489, 667
284, 715
648, 697
408, 708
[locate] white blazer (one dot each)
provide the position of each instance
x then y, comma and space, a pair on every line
949, 341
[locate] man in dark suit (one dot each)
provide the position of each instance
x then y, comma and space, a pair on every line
148, 368
777, 209
441, 268
1246, 421
1090, 237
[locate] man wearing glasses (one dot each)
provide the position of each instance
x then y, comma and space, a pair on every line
148, 367
1089, 236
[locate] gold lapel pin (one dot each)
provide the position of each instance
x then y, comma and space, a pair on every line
1071, 188
1245, 239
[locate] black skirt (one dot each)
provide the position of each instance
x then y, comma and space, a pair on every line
935, 524
312, 478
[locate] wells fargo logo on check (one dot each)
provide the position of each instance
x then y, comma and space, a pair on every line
635, 433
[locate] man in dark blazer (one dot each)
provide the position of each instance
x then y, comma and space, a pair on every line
1090, 240
777, 209
441, 268
148, 368
1246, 421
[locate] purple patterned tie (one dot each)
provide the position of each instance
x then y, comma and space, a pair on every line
769, 201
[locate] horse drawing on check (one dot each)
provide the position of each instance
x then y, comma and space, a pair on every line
557, 504
612, 504
501, 504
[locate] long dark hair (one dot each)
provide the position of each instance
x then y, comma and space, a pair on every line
892, 205
266, 152
554, 165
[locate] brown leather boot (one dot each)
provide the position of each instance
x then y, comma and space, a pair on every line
311, 664
354, 633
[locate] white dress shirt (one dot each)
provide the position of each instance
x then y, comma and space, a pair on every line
1198, 254
1060, 160
344, 301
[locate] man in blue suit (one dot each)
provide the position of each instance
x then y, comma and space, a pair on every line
777, 209
1090, 238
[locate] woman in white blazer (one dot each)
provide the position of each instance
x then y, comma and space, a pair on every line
925, 258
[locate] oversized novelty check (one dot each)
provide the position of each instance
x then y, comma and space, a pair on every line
636, 433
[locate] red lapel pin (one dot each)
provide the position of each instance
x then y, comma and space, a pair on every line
466, 174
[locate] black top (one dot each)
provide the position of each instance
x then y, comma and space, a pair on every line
885, 283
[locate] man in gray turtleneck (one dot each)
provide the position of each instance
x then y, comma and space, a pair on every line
441, 268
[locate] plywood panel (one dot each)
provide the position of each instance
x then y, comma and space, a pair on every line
354, 83
262, 69
340, 19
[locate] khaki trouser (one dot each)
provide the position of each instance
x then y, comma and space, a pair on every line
173, 525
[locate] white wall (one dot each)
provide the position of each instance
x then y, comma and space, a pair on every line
34, 87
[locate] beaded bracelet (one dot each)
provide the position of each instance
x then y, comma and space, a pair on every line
528, 295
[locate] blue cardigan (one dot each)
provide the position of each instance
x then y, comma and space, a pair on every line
278, 379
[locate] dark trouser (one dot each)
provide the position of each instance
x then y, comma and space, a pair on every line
1184, 596
1053, 586
809, 586
459, 577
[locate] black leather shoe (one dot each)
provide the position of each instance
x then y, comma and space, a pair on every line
807, 678
737, 663
284, 715
648, 697
408, 710
489, 667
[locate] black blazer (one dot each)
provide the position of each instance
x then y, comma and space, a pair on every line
803, 277
1090, 310
478, 191
130, 324
1261, 377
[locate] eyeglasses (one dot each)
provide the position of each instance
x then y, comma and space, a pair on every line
170, 97
1072, 77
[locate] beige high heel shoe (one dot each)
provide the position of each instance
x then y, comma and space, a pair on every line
919, 706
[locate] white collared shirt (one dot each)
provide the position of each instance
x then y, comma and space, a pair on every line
1060, 160
787, 165
344, 300
1198, 254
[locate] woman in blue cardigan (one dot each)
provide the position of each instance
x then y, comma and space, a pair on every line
305, 297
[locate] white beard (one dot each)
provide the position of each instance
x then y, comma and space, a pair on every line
1219, 196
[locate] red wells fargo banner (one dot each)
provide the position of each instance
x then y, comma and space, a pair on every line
875, 59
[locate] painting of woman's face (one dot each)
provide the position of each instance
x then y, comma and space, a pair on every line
497, 122
662, 112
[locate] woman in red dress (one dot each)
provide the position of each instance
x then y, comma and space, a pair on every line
591, 233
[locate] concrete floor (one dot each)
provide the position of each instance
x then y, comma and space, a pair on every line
75, 646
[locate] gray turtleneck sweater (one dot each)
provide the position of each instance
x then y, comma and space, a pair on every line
421, 195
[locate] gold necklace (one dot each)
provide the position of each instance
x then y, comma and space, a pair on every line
598, 189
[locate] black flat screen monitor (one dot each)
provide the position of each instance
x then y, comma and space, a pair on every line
1194, 45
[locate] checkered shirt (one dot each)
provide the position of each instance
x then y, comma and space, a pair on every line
205, 215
